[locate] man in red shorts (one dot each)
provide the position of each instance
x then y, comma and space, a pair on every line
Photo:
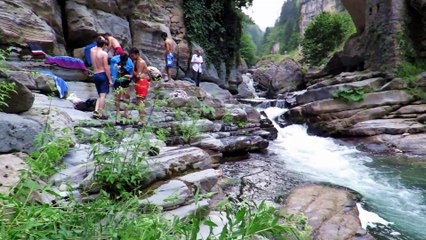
113, 44
140, 74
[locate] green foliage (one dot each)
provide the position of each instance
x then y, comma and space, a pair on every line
326, 33
285, 31
229, 119
350, 94
50, 150
217, 27
6, 88
409, 71
248, 49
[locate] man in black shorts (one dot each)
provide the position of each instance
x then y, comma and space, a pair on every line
121, 69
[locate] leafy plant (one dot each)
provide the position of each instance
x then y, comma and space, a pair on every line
350, 94
6, 88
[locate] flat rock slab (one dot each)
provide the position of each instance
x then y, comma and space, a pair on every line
187, 210
331, 212
386, 126
175, 161
411, 109
316, 94
413, 144
73, 175
10, 166
168, 196
203, 180
78, 155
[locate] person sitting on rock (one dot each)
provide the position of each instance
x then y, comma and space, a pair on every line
141, 76
113, 44
121, 71
102, 75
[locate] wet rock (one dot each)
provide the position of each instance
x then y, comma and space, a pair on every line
18, 101
203, 180
17, 133
10, 167
168, 196
331, 212
412, 144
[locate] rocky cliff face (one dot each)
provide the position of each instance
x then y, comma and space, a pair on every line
311, 8
62, 26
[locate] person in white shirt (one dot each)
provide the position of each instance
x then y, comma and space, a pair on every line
197, 62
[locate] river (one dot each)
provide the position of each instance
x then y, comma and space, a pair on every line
394, 191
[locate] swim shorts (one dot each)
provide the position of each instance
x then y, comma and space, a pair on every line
170, 60
141, 87
118, 51
101, 82
122, 84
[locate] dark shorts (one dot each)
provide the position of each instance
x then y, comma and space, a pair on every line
101, 82
123, 84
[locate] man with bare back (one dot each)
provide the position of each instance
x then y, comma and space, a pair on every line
102, 76
113, 44
168, 54
141, 77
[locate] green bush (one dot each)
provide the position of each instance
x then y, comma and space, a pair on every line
350, 94
409, 71
326, 33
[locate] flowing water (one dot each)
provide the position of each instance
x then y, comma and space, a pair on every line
395, 191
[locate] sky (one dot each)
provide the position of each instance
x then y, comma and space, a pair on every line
265, 12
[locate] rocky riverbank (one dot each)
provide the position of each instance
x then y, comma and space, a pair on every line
389, 118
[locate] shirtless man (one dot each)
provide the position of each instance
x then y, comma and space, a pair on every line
102, 75
140, 74
168, 54
113, 44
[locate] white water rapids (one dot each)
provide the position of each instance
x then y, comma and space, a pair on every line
324, 160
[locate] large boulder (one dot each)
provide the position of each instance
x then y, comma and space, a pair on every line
17, 133
331, 212
284, 76
19, 100
147, 36
22, 22
84, 24
215, 91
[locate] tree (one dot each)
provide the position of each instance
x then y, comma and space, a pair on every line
326, 33
248, 49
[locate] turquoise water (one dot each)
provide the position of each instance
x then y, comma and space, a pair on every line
392, 188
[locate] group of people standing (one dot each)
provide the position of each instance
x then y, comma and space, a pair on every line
118, 71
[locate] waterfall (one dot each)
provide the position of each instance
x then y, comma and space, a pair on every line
384, 189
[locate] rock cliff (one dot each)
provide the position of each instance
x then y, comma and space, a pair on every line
311, 8
63, 26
